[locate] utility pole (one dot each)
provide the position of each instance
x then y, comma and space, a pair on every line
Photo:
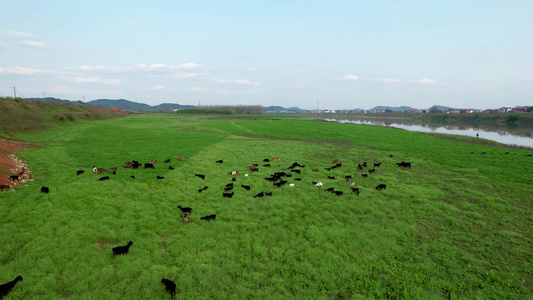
15, 92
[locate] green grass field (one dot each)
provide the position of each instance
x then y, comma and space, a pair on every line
456, 225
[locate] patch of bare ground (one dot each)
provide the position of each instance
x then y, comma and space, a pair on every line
13, 170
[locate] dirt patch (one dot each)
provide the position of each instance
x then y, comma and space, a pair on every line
13, 165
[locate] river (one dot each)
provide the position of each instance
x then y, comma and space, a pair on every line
522, 137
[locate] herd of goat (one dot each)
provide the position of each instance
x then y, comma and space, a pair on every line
278, 179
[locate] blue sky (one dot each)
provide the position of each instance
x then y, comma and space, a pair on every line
335, 54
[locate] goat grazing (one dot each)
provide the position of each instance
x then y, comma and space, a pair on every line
185, 209
79, 172
186, 218
203, 189
7, 287
246, 187
355, 190
209, 218
228, 195
381, 187
149, 166
219, 161
45, 189
122, 249
170, 286
167, 160
103, 178
200, 175
160, 177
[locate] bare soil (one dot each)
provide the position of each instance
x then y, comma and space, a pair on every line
12, 164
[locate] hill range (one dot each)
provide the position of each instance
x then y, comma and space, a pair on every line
135, 106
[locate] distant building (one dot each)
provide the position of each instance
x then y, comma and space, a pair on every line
504, 110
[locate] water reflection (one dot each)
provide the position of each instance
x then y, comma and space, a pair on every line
522, 138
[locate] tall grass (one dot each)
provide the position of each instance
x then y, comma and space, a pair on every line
454, 226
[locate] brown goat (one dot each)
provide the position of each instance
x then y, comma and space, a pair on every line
186, 218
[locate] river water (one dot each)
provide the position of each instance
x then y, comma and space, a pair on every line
516, 137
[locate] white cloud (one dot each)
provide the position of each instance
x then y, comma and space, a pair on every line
33, 44
425, 80
239, 81
95, 80
15, 34
197, 89
19, 71
389, 80
191, 66
350, 77
157, 87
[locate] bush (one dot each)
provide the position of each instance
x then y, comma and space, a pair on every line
512, 118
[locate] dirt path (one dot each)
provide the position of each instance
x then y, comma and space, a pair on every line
13, 165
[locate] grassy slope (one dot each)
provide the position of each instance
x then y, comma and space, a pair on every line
456, 225
19, 116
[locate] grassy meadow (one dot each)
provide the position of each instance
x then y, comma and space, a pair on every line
454, 226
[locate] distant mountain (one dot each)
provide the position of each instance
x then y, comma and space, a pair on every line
279, 109
440, 107
120, 103
400, 108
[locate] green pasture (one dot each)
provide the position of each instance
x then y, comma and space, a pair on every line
454, 226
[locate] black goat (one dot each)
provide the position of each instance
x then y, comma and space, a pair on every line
355, 190
135, 164
269, 194
149, 166
364, 175
7, 287
170, 167
377, 165
246, 187
260, 195
122, 249
404, 165
200, 175
266, 160
282, 182
103, 178
79, 172
219, 161
228, 195
297, 171
209, 218
132, 176
160, 177
185, 209
168, 160
202, 189
170, 286
331, 177
45, 189
381, 187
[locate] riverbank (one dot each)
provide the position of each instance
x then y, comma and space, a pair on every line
471, 119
